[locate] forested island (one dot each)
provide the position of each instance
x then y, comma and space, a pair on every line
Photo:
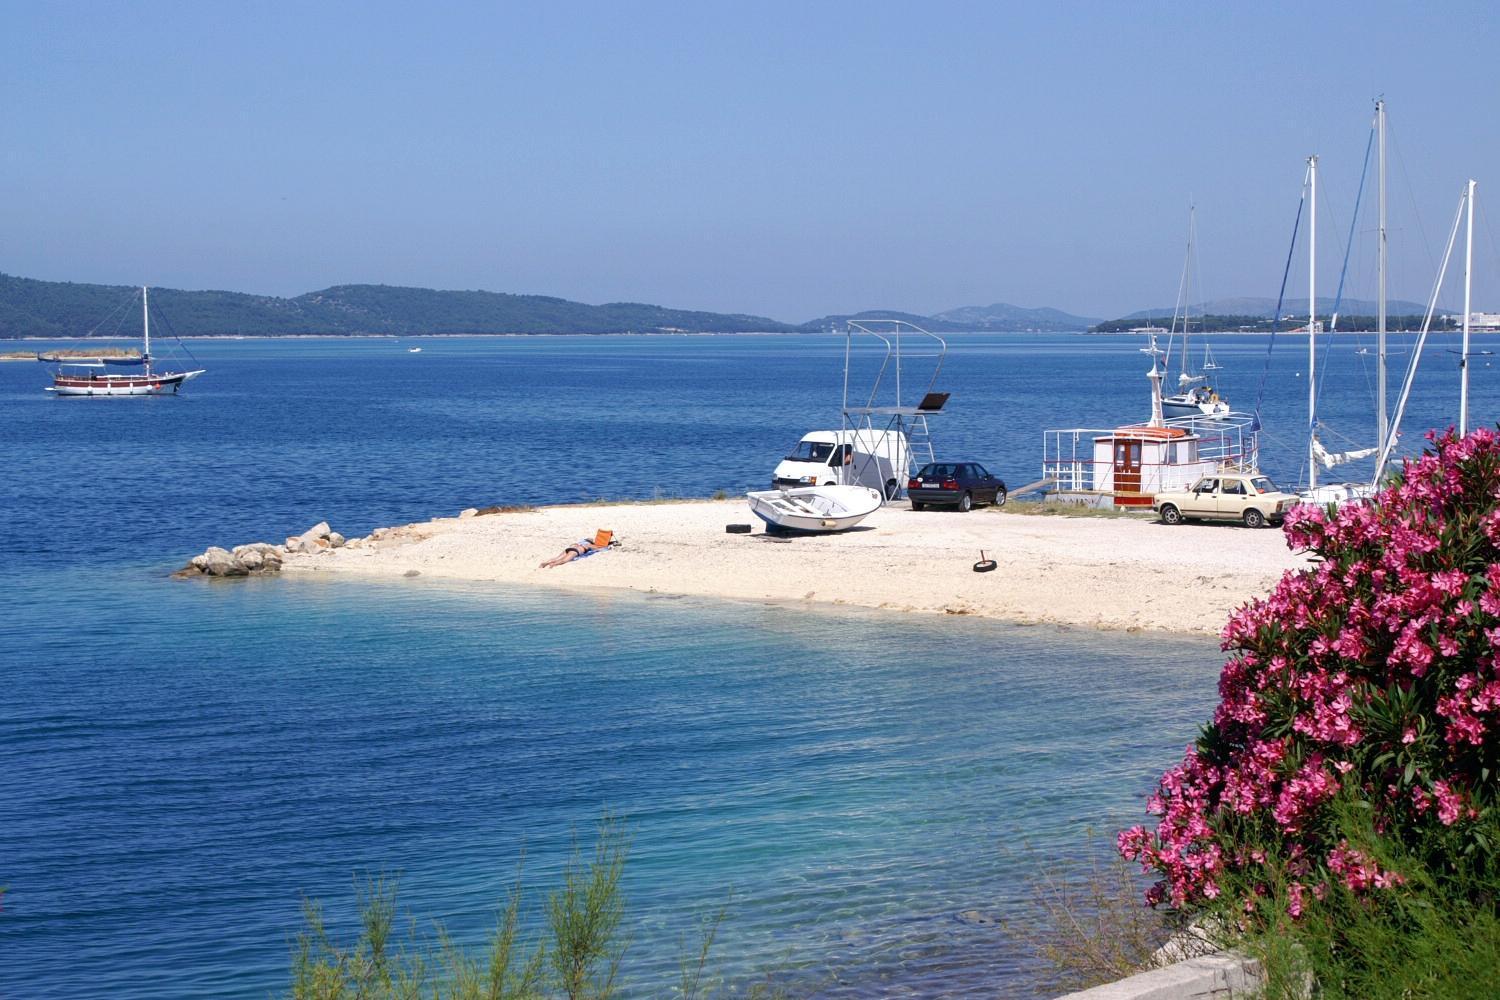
1263, 324
56, 310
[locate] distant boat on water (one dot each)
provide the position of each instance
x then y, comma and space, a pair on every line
413, 350
89, 376
1195, 396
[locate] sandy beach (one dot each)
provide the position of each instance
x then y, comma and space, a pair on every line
1109, 573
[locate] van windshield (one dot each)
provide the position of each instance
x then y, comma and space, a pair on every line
811, 451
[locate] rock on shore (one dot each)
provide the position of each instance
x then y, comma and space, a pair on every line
261, 558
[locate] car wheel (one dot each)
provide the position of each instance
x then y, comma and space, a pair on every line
918, 505
891, 489
1170, 514
1254, 518
1000, 497
965, 503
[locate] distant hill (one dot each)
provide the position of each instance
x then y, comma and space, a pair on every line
1266, 308
58, 309
30, 308
1003, 316
999, 317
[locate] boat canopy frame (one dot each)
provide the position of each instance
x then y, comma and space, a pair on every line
873, 421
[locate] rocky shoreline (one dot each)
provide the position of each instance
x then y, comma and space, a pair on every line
265, 558
261, 558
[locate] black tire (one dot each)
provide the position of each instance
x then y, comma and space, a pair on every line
891, 489
737, 529
985, 566
1254, 518
965, 503
1000, 496
918, 505
1170, 514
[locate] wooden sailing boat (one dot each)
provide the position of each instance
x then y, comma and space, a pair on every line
91, 377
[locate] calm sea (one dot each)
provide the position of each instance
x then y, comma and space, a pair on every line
180, 764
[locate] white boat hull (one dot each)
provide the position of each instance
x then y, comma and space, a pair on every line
122, 385
815, 509
1173, 407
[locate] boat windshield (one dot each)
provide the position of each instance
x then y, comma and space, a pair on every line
1263, 484
811, 451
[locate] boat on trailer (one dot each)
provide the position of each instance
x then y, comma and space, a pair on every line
91, 376
814, 509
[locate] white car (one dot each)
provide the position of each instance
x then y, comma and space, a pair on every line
1229, 496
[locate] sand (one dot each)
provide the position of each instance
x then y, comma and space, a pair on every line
1108, 573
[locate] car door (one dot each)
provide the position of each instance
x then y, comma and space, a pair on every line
1232, 497
1203, 500
988, 486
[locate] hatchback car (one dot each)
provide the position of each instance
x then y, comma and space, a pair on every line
1247, 497
954, 484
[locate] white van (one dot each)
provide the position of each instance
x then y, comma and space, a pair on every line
877, 459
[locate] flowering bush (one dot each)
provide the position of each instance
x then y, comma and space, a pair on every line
1367, 682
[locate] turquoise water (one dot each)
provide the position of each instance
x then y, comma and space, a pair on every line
846, 783
180, 763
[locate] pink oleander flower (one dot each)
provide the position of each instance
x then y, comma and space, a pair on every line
1403, 601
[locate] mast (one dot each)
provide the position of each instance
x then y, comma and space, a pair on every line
1312, 322
1382, 421
1463, 358
146, 326
1187, 295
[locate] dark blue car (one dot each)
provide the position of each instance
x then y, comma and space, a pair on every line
954, 484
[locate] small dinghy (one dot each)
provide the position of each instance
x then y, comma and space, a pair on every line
817, 509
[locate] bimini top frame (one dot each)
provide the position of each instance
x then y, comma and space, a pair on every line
885, 405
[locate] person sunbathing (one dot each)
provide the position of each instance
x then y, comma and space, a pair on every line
582, 547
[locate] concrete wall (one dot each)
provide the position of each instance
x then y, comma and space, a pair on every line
1223, 974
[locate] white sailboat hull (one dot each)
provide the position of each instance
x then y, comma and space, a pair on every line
1177, 406
815, 509
121, 385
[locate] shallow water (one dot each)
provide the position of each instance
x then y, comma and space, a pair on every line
845, 783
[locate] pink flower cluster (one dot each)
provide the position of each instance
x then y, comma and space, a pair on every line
1372, 677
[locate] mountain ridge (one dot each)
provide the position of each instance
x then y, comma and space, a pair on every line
33, 308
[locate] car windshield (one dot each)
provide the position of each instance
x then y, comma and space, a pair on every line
1263, 484
938, 470
811, 451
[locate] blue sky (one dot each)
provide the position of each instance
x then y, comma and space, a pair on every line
785, 159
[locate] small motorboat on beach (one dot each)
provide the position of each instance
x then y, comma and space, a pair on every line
814, 509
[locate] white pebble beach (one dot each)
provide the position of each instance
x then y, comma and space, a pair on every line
1094, 572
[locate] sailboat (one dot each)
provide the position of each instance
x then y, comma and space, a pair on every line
1195, 397
1318, 453
90, 376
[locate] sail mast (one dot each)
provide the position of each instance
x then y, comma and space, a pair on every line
146, 326
1382, 422
1187, 294
1463, 358
1312, 322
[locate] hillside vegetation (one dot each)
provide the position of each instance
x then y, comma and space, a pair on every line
30, 308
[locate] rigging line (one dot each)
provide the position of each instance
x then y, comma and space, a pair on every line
162, 318
1484, 221
1391, 144
1338, 298
1182, 294
1260, 392
128, 300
